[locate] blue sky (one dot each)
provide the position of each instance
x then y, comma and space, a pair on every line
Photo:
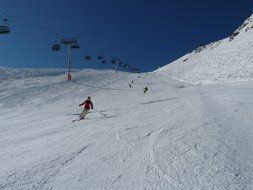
143, 33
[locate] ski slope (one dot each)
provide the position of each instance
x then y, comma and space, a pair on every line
176, 136
228, 60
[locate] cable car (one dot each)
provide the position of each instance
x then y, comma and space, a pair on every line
4, 29
87, 57
113, 61
56, 47
75, 46
100, 57
103, 61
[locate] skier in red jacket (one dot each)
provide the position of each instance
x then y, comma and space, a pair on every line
87, 106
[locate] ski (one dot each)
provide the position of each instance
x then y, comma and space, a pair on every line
78, 119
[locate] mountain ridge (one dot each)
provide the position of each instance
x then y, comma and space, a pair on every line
227, 60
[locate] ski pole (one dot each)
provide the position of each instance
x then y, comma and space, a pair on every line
100, 112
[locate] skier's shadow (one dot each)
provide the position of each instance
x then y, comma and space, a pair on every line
73, 114
162, 100
130, 108
104, 117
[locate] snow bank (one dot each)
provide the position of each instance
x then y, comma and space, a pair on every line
227, 60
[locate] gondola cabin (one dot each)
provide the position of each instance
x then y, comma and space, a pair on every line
4, 29
56, 47
87, 57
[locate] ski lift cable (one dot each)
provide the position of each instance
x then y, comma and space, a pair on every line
33, 26
29, 23
30, 30
29, 36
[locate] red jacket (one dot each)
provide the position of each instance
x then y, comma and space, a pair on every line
87, 104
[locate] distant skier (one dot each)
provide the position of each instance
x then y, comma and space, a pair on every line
132, 81
130, 85
145, 89
87, 106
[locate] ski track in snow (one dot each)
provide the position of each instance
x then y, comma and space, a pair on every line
176, 136
42, 172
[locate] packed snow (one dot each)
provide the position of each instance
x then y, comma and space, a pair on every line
191, 130
175, 136
228, 60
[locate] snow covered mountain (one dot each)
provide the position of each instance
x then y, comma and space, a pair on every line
227, 60
176, 136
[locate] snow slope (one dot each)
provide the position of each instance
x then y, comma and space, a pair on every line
176, 136
227, 60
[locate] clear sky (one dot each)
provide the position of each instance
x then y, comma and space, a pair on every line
143, 33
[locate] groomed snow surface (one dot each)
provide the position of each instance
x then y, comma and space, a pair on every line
176, 136
228, 60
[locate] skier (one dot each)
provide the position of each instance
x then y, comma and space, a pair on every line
132, 81
145, 89
87, 106
130, 85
